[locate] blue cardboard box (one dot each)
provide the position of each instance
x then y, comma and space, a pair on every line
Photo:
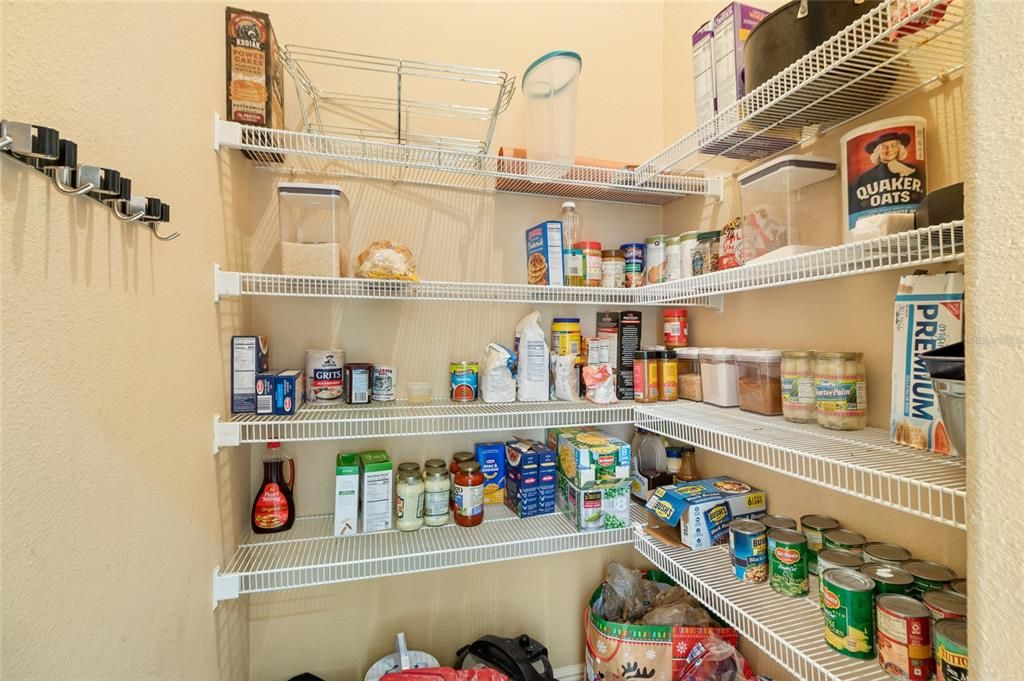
265, 393
703, 509
491, 457
530, 478
544, 257
289, 389
250, 357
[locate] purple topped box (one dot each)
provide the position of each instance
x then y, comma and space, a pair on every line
703, 73
731, 27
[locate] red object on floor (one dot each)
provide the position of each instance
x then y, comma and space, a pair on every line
445, 674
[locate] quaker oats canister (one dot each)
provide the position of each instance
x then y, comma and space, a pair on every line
325, 376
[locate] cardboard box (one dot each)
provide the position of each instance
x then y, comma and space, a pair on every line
375, 490
731, 27
593, 457
346, 495
255, 75
704, 73
702, 510
544, 264
530, 479
928, 316
491, 457
250, 357
603, 507
553, 433
622, 330
265, 392
289, 391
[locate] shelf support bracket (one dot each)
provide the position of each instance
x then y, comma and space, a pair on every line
225, 434
227, 134
717, 302
225, 587
716, 188
225, 283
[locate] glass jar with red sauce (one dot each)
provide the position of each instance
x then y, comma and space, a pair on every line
453, 468
469, 494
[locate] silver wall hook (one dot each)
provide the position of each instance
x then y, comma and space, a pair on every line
60, 177
170, 237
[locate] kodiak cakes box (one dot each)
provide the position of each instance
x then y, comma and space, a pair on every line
702, 510
255, 74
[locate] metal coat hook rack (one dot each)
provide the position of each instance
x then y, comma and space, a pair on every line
42, 149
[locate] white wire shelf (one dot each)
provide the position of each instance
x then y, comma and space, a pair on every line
924, 246
307, 555
289, 151
864, 464
397, 419
286, 285
790, 630
872, 62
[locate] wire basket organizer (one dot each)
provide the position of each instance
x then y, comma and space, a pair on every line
398, 101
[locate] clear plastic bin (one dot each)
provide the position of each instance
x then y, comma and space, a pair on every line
718, 376
549, 86
314, 221
689, 374
790, 206
759, 381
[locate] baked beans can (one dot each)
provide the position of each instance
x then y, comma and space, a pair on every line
325, 376
890, 554
950, 640
787, 562
464, 381
928, 576
835, 558
945, 605
847, 605
636, 259
384, 381
904, 637
889, 579
813, 527
748, 546
847, 540
654, 270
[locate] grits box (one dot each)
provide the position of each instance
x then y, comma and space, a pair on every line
702, 510
929, 316
491, 457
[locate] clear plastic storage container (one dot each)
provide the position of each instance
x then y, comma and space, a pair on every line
789, 206
759, 381
689, 374
549, 86
314, 220
718, 376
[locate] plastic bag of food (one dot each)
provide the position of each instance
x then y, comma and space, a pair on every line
678, 614
497, 382
715, 660
600, 382
531, 349
566, 378
386, 260
625, 595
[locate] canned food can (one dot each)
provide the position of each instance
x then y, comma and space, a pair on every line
945, 605
787, 562
890, 554
848, 604
654, 268
904, 637
777, 522
325, 376
950, 641
929, 576
814, 527
635, 261
835, 558
889, 579
847, 540
464, 380
748, 546
959, 586
384, 380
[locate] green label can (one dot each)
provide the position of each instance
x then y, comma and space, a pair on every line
834, 558
889, 579
814, 527
848, 606
847, 540
950, 641
928, 576
787, 562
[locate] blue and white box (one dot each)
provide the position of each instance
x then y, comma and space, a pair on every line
289, 388
544, 265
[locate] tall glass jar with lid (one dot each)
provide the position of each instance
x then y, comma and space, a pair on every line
798, 386
437, 486
840, 390
409, 498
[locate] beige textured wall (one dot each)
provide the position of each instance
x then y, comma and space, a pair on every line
114, 511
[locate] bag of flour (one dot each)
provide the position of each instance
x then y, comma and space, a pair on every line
497, 384
531, 348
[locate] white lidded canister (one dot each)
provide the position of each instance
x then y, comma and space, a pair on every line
384, 382
325, 376
883, 165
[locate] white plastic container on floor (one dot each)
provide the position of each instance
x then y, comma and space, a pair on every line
718, 376
549, 86
314, 221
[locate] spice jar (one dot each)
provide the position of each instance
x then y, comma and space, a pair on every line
591, 262
668, 376
798, 386
840, 390
409, 498
675, 328
645, 368
574, 275
469, 494
673, 258
613, 269
688, 361
705, 252
437, 494
457, 458
718, 376
688, 242
758, 381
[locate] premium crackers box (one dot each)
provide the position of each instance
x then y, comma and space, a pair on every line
255, 75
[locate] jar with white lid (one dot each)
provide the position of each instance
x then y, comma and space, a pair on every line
840, 390
718, 376
798, 386
437, 494
688, 360
314, 223
409, 498
759, 381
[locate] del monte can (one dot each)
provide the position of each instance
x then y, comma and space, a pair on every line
787, 562
848, 606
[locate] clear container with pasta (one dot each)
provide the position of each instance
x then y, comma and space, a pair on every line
840, 390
